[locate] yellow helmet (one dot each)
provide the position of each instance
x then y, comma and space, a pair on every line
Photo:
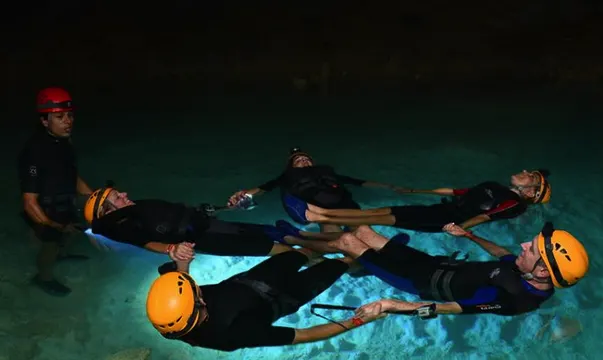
95, 202
173, 304
543, 194
563, 255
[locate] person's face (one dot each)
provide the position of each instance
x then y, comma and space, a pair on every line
528, 257
527, 181
118, 200
301, 161
59, 124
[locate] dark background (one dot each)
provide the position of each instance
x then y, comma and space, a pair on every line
180, 49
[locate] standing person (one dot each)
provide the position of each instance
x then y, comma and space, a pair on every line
305, 182
49, 182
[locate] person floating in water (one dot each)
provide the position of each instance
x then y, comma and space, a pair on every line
163, 227
303, 181
239, 311
509, 285
488, 201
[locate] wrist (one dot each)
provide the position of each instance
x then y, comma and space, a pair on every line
169, 248
355, 322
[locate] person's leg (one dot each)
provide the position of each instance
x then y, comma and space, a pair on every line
50, 240
309, 283
316, 210
330, 229
240, 239
424, 218
370, 237
278, 269
387, 220
401, 266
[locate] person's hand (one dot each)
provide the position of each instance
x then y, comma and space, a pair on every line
454, 229
69, 229
372, 311
184, 252
235, 198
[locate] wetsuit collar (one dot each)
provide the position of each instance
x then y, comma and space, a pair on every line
55, 138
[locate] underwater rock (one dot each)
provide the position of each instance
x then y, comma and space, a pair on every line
131, 354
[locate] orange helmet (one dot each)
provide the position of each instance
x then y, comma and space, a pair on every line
174, 304
94, 203
563, 255
543, 193
54, 100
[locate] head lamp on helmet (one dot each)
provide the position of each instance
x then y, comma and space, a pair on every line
564, 256
296, 152
174, 304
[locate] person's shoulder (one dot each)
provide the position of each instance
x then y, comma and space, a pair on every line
491, 184
508, 258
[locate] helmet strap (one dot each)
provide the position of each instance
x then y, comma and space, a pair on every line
530, 276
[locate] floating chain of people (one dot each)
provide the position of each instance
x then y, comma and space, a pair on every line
239, 312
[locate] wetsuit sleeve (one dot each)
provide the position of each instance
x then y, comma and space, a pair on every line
272, 184
350, 180
457, 192
125, 231
252, 334
497, 301
506, 210
503, 304
30, 177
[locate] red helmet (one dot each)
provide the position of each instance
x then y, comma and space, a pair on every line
54, 100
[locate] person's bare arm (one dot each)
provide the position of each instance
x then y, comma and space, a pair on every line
476, 220
322, 332
439, 191
82, 187
158, 247
490, 247
255, 191
442, 308
32, 208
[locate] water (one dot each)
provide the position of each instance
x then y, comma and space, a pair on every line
204, 154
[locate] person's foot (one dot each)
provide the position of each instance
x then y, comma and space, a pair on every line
51, 287
72, 257
314, 217
276, 234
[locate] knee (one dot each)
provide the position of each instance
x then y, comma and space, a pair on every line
363, 231
348, 238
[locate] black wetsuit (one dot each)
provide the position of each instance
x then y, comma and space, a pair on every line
47, 167
242, 309
318, 185
478, 287
488, 198
172, 223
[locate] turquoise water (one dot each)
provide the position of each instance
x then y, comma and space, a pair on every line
204, 153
